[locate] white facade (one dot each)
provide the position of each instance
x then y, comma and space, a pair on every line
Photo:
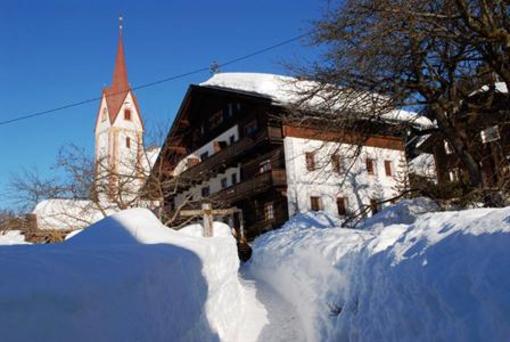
119, 144
355, 185
215, 183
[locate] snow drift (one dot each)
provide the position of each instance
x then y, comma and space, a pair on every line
125, 278
409, 275
12, 237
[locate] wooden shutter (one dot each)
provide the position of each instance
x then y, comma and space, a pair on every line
315, 202
387, 168
370, 166
341, 205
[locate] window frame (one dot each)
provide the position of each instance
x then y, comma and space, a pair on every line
370, 165
205, 191
315, 203
269, 211
388, 168
336, 163
310, 161
127, 114
342, 206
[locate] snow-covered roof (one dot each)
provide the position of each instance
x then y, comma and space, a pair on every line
423, 165
65, 214
499, 87
286, 90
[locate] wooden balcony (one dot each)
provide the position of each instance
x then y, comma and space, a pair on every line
252, 186
230, 155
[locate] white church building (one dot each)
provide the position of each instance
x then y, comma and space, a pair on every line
120, 157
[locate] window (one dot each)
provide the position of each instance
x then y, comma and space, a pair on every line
370, 166
192, 162
310, 161
341, 204
388, 168
269, 211
251, 127
374, 206
204, 156
232, 139
454, 175
336, 163
490, 134
205, 191
265, 166
234, 178
104, 114
315, 203
447, 147
128, 142
224, 183
127, 114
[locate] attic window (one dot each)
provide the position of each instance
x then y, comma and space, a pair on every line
127, 114
103, 115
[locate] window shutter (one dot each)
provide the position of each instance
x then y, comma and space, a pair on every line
387, 168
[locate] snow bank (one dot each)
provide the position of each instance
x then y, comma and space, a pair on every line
439, 276
125, 278
12, 237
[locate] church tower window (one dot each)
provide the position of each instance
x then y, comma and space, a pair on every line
128, 142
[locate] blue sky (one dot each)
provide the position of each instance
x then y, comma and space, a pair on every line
59, 52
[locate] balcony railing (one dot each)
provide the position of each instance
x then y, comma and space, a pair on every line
252, 186
223, 158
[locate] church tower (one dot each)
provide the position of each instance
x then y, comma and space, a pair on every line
119, 128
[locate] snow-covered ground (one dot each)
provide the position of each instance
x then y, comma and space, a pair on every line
409, 275
127, 278
12, 237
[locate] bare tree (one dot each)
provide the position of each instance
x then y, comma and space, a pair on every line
431, 55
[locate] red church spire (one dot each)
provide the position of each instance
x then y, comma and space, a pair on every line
120, 78
117, 92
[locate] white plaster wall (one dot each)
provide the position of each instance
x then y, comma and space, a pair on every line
357, 186
209, 148
214, 184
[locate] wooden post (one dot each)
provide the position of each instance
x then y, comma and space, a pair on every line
207, 229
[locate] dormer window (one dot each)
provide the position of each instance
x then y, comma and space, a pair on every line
104, 114
127, 114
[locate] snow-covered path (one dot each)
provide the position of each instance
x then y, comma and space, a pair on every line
283, 322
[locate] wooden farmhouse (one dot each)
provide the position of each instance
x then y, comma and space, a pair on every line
489, 141
229, 146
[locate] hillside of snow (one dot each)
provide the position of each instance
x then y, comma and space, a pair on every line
127, 278
409, 275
